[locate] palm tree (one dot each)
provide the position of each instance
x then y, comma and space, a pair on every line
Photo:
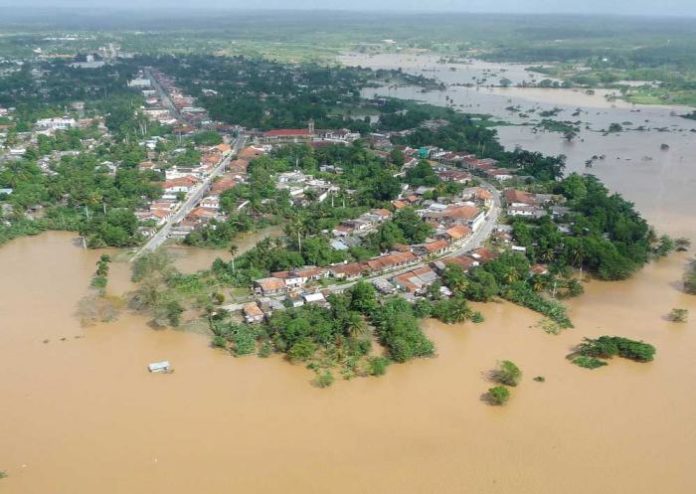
233, 250
355, 325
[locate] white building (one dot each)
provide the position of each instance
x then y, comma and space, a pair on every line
56, 123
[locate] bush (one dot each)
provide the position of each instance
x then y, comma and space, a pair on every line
302, 350
588, 362
498, 395
603, 347
378, 366
453, 310
477, 317
219, 342
399, 332
635, 350
690, 279
682, 244
540, 379
508, 373
244, 341
324, 380
679, 315
609, 346
265, 350
522, 294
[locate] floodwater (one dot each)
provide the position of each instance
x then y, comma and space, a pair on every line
660, 182
79, 412
83, 415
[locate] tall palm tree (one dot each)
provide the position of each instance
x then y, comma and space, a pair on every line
233, 250
355, 325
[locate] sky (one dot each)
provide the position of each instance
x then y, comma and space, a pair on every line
628, 7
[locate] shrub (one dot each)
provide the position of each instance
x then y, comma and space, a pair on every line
603, 347
508, 373
498, 395
302, 350
679, 315
682, 244
378, 366
540, 379
219, 341
635, 350
324, 380
523, 295
690, 279
265, 350
588, 362
609, 346
399, 331
244, 341
477, 317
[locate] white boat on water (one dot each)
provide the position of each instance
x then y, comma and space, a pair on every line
160, 367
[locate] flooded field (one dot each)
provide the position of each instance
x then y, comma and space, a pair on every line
660, 182
191, 259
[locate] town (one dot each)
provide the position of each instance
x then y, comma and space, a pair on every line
400, 205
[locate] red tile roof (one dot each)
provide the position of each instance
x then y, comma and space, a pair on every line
352, 269
519, 196
459, 232
287, 133
436, 246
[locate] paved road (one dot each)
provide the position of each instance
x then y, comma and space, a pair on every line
164, 95
191, 201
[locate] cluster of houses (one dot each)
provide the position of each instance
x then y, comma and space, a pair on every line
303, 285
350, 232
309, 135
304, 188
182, 181
184, 105
527, 205
454, 224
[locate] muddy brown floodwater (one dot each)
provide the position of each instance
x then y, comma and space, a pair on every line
83, 415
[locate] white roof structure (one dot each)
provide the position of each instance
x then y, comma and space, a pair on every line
313, 298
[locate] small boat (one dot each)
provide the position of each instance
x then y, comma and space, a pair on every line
163, 367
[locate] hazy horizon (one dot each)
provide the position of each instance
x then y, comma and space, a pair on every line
618, 7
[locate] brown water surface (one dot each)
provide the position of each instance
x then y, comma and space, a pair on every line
84, 416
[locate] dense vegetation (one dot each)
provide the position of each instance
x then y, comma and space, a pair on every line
508, 277
81, 194
608, 237
591, 352
336, 337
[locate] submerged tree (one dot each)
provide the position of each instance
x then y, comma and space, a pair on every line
507, 373
679, 315
498, 395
